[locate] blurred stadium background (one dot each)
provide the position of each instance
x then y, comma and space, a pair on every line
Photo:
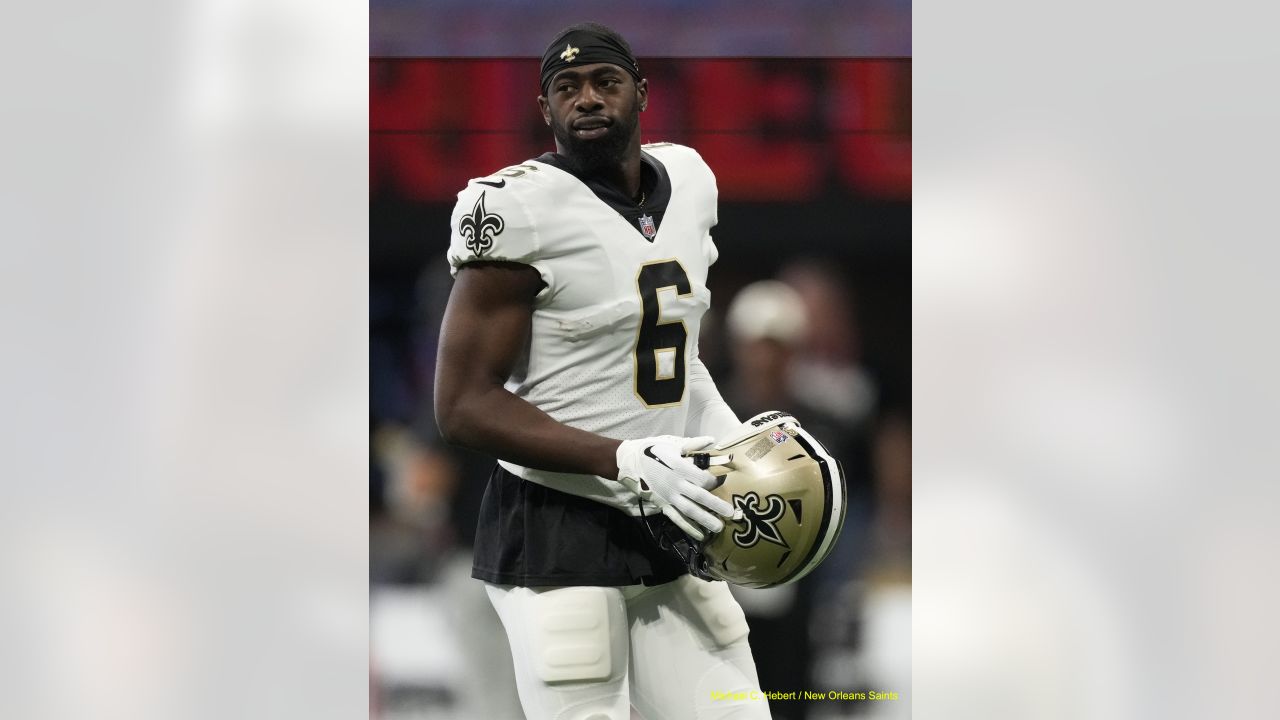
813, 159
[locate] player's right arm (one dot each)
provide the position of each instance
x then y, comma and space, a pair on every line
486, 327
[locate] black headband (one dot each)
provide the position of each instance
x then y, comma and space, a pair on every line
583, 47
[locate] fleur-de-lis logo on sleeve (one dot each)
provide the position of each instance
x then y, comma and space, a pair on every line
761, 523
479, 228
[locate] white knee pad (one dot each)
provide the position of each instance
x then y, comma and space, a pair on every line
570, 639
718, 613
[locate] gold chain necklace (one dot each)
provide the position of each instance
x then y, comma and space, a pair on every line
643, 197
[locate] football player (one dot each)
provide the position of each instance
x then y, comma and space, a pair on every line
569, 351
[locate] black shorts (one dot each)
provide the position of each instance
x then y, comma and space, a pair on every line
531, 535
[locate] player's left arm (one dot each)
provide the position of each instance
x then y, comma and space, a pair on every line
709, 414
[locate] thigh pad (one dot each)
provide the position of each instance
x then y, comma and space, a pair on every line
571, 635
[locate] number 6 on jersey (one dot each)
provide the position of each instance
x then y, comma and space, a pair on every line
660, 345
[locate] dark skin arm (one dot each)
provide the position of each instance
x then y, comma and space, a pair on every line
485, 329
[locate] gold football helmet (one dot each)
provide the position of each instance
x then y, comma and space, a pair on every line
791, 497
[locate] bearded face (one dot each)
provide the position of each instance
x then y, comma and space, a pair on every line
594, 113
605, 151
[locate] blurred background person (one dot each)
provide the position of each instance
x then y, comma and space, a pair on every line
827, 372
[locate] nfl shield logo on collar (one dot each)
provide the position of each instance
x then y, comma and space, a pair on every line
647, 227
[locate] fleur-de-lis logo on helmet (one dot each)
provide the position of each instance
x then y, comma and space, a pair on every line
479, 228
761, 523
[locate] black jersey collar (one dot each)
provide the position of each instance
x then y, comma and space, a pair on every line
655, 183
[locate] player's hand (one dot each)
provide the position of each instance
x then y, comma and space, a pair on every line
655, 469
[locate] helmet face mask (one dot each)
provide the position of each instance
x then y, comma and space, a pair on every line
792, 496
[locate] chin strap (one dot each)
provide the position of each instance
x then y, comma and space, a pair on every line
718, 465
671, 539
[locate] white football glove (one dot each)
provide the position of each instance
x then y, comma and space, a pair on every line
656, 470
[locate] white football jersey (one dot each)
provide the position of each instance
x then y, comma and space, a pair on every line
617, 322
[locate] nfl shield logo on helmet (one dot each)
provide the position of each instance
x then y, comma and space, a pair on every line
647, 227
778, 437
